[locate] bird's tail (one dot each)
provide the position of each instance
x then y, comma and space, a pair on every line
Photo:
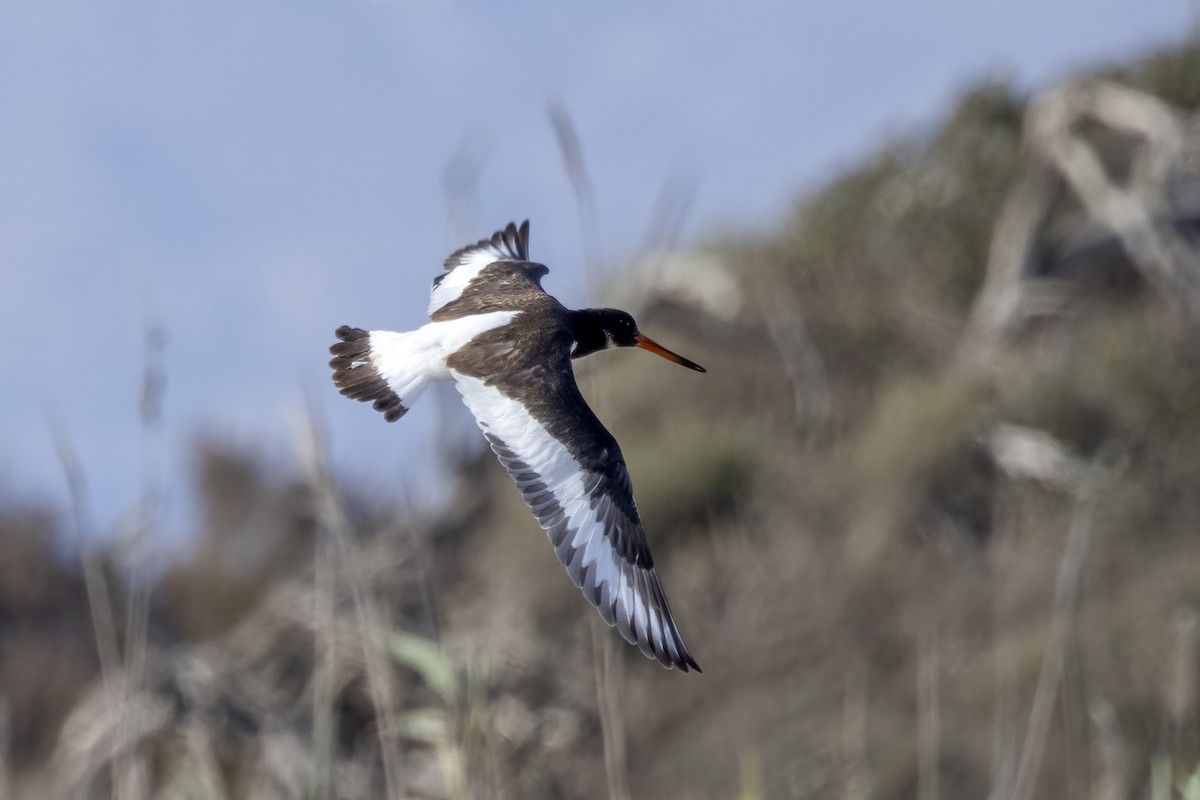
380, 367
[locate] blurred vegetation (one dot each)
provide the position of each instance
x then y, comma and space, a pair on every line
905, 572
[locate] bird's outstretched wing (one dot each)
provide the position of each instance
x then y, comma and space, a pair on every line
571, 473
464, 265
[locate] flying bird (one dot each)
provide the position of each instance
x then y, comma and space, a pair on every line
508, 346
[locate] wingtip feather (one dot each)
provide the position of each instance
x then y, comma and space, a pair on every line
510, 242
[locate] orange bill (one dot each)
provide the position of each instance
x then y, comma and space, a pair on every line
646, 343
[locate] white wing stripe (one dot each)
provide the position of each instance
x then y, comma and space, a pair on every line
583, 522
642, 617
544, 455
594, 547
625, 600
465, 265
454, 282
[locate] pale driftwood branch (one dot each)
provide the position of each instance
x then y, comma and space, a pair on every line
1027, 453
1001, 304
1132, 211
1056, 153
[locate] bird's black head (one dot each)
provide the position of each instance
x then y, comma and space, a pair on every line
600, 328
619, 327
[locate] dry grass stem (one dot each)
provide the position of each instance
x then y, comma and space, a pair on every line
571, 150
6, 792
1110, 758
856, 782
929, 729
96, 582
1066, 592
608, 669
665, 227
382, 688
799, 356
324, 670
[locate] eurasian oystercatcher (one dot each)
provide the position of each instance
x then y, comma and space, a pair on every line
508, 346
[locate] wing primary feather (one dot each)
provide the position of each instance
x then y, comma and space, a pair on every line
667, 639
523, 238
656, 628
608, 582
685, 659
624, 605
642, 612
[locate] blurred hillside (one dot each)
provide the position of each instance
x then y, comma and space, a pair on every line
929, 524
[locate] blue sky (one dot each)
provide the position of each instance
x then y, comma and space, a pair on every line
254, 174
